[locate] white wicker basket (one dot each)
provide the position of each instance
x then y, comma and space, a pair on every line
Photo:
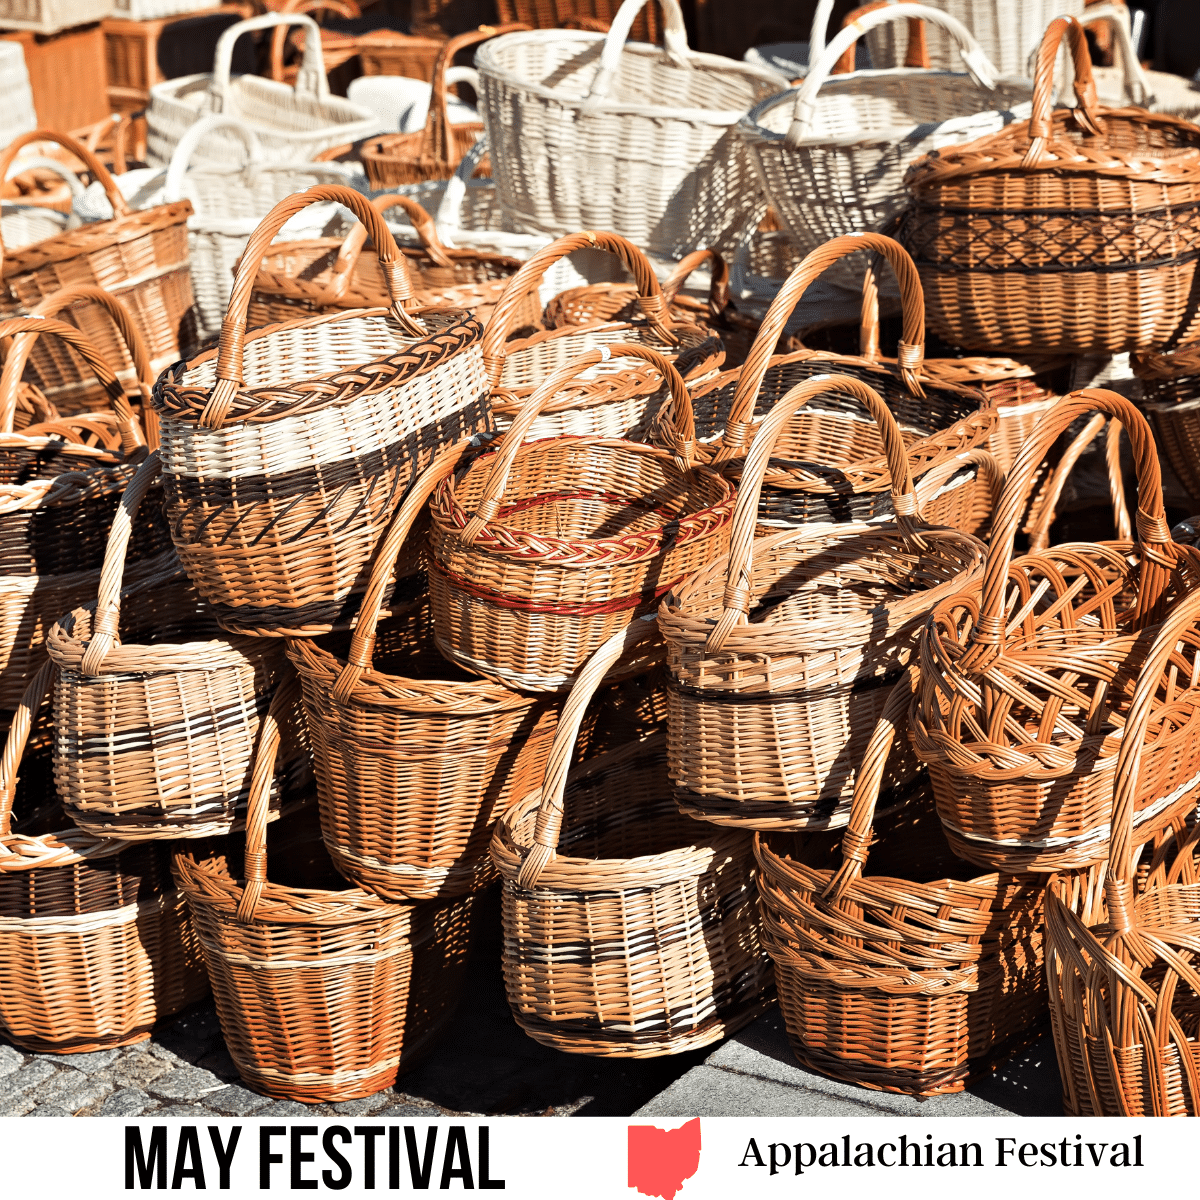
49, 16
1008, 31
154, 10
25, 224
832, 153
17, 116
292, 124
589, 132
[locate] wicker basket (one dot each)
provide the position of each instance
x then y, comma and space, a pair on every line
783, 652
140, 257
541, 550
1111, 272
97, 945
590, 133
19, 116
285, 451
1123, 983
324, 992
293, 124
896, 969
385, 52
580, 14
960, 492
1020, 720
627, 932
832, 153
156, 10
1171, 399
49, 16
156, 714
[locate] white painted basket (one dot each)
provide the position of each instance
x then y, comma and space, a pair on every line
155, 10
17, 115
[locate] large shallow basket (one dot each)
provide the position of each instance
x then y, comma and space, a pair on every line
541, 550
1075, 232
898, 967
323, 992
97, 945
589, 132
630, 931
783, 652
292, 124
1026, 684
286, 451
832, 153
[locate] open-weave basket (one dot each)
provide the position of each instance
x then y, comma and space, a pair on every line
1027, 679
156, 713
292, 124
96, 943
899, 968
1075, 232
832, 153
629, 931
140, 257
324, 992
286, 451
1171, 399
1121, 938
590, 132
540, 551
782, 652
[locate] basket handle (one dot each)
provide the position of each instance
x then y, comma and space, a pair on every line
718, 290
14, 744
1086, 115
550, 811
1047, 503
360, 656
916, 54
650, 294
804, 110
497, 480
819, 29
856, 838
739, 576
107, 620
193, 136
231, 346
1134, 80
1158, 552
675, 46
20, 166
984, 461
14, 366
449, 213
909, 354
341, 8
310, 80
259, 802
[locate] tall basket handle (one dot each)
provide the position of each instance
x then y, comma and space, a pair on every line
548, 825
819, 29
739, 577
650, 294
107, 620
675, 47
14, 366
231, 346
909, 354
984, 462
14, 745
360, 656
259, 802
497, 480
1086, 114
341, 8
804, 110
188, 144
1134, 80
1159, 553
916, 54
310, 80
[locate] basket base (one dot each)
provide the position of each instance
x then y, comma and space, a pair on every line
85, 1045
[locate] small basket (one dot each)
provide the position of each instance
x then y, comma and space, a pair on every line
910, 977
324, 993
629, 931
96, 942
1027, 681
286, 451
541, 550
782, 653
1112, 271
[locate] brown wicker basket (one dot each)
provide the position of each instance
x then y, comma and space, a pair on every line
1171, 398
783, 652
286, 451
910, 976
435, 152
96, 942
385, 52
628, 931
140, 257
1121, 940
541, 550
1077, 231
1026, 681
594, 15
323, 992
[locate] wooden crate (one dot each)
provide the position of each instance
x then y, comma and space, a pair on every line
66, 74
